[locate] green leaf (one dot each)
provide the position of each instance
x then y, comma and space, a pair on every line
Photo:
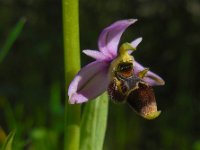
13, 35
93, 124
8, 143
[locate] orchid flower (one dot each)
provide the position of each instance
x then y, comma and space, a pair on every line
104, 74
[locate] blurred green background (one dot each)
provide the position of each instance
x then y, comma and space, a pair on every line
32, 87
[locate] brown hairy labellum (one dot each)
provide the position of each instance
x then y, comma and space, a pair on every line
142, 100
125, 86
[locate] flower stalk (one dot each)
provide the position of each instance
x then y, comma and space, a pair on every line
72, 65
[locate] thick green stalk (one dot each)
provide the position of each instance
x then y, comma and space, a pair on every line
72, 65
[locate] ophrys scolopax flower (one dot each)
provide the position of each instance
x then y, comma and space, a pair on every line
116, 71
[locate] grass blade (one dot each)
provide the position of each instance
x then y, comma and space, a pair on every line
13, 35
8, 143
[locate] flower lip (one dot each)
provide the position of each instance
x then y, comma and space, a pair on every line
142, 100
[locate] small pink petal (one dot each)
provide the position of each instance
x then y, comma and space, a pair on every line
90, 82
95, 54
136, 42
151, 78
110, 36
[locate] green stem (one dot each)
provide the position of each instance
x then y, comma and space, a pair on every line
72, 65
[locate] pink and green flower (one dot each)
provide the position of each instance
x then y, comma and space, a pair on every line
96, 77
